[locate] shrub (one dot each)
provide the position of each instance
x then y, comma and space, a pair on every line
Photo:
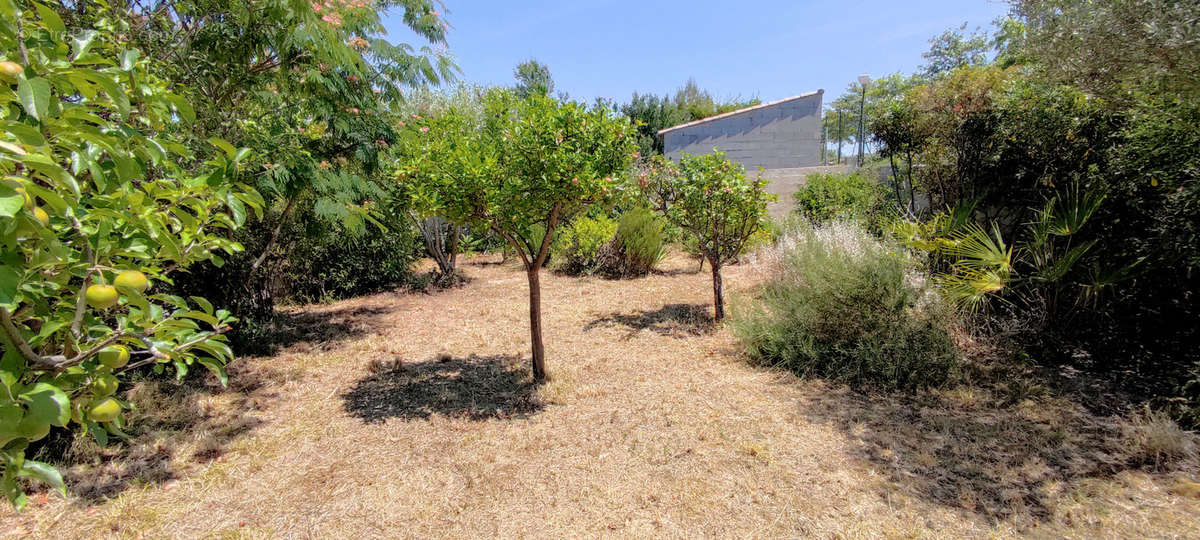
639, 244
341, 264
850, 197
317, 261
578, 246
838, 303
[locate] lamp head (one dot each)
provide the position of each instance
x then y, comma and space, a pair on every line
864, 79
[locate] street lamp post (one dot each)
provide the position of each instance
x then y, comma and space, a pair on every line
863, 80
839, 113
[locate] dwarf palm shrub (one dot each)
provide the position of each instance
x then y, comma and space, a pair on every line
838, 303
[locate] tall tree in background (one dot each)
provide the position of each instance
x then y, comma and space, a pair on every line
841, 120
533, 78
953, 49
652, 114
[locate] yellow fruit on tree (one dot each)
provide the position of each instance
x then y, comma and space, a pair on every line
24, 193
104, 385
10, 70
115, 356
101, 296
132, 279
105, 411
41, 216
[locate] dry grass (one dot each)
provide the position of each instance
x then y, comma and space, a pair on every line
413, 416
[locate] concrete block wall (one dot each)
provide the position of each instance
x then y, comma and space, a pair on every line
780, 135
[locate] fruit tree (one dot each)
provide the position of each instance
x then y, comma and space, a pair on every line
94, 210
712, 200
523, 164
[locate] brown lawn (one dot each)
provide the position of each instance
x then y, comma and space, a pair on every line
411, 415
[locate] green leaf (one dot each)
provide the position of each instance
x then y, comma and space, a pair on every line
45, 473
51, 170
114, 91
182, 107
34, 95
225, 146
204, 304
47, 403
10, 282
83, 42
127, 168
50, 19
216, 368
11, 202
16, 495
129, 59
28, 134
237, 209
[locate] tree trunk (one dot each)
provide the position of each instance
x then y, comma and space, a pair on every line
718, 292
452, 245
283, 216
535, 323
896, 181
441, 242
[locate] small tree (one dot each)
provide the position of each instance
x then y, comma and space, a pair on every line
527, 163
712, 200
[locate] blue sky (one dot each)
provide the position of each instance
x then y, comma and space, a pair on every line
768, 49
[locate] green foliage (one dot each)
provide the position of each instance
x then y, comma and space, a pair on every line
308, 86
845, 306
1086, 102
1121, 51
93, 185
848, 197
639, 244
1042, 272
652, 114
841, 120
578, 245
711, 200
533, 78
952, 49
332, 262
764, 237
523, 163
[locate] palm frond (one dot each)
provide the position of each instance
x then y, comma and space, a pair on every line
976, 249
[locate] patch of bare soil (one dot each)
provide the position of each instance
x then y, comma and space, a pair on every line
413, 415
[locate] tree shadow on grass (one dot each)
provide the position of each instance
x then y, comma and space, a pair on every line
967, 449
672, 320
314, 329
476, 388
176, 423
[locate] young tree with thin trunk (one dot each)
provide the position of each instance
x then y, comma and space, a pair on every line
523, 163
711, 199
